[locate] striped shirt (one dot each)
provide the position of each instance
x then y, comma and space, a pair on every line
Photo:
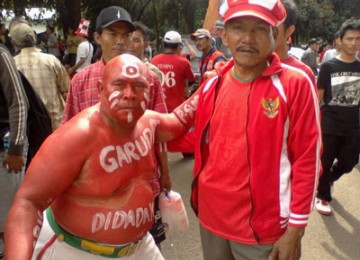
49, 79
14, 104
157, 104
83, 91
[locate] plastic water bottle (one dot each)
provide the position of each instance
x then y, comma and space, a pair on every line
6, 141
173, 213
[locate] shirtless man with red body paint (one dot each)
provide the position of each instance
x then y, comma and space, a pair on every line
93, 173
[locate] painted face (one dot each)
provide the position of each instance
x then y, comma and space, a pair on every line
250, 40
114, 40
125, 89
137, 46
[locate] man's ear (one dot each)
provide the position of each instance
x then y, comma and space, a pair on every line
275, 33
100, 86
97, 38
338, 41
289, 31
275, 30
146, 44
224, 38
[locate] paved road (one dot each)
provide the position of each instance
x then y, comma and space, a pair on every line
335, 237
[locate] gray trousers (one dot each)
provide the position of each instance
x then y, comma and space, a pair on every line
218, 248
9, 184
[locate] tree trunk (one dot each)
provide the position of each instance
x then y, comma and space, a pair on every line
19, 8
189, 9
69, 13
156, 26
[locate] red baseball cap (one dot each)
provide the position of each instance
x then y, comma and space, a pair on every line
270, 11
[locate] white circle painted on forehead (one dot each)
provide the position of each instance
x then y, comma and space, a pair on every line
131, 71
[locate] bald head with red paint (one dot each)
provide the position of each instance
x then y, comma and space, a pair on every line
125, 89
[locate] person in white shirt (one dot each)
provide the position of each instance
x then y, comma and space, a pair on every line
52, 42
85, 49
333, 52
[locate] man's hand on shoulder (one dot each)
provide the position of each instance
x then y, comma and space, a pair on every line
288, 247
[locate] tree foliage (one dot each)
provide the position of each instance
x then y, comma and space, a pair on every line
322, 18
317, 18
313, 17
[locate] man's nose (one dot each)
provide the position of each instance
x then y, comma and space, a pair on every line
120, 39
129, 92
248, 36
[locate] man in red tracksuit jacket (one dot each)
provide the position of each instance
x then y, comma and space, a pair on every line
211, 56
257, 144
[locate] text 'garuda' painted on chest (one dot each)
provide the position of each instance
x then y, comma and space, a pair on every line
113, 157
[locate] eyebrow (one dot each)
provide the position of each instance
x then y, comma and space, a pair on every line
130, 80
117, 80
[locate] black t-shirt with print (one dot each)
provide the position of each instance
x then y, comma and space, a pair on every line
341, 83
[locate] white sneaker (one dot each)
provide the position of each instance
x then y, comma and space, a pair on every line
323, 207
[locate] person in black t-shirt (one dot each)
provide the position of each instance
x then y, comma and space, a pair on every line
339, 90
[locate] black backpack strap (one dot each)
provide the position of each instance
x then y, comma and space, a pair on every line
38, 122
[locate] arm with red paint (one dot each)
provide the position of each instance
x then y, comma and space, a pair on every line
51, 172
186, 114
158, 104
178, 122
83, 167
185, 143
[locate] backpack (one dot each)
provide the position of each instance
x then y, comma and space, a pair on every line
38, 121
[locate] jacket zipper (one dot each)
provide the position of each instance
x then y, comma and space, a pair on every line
204, 135
195, 180
256, 236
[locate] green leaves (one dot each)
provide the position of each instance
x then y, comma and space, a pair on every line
322, 18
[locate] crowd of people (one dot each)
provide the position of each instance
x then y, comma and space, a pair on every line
269, 134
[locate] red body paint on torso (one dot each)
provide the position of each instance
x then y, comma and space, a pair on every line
110, 200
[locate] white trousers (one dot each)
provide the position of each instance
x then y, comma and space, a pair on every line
59, 250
